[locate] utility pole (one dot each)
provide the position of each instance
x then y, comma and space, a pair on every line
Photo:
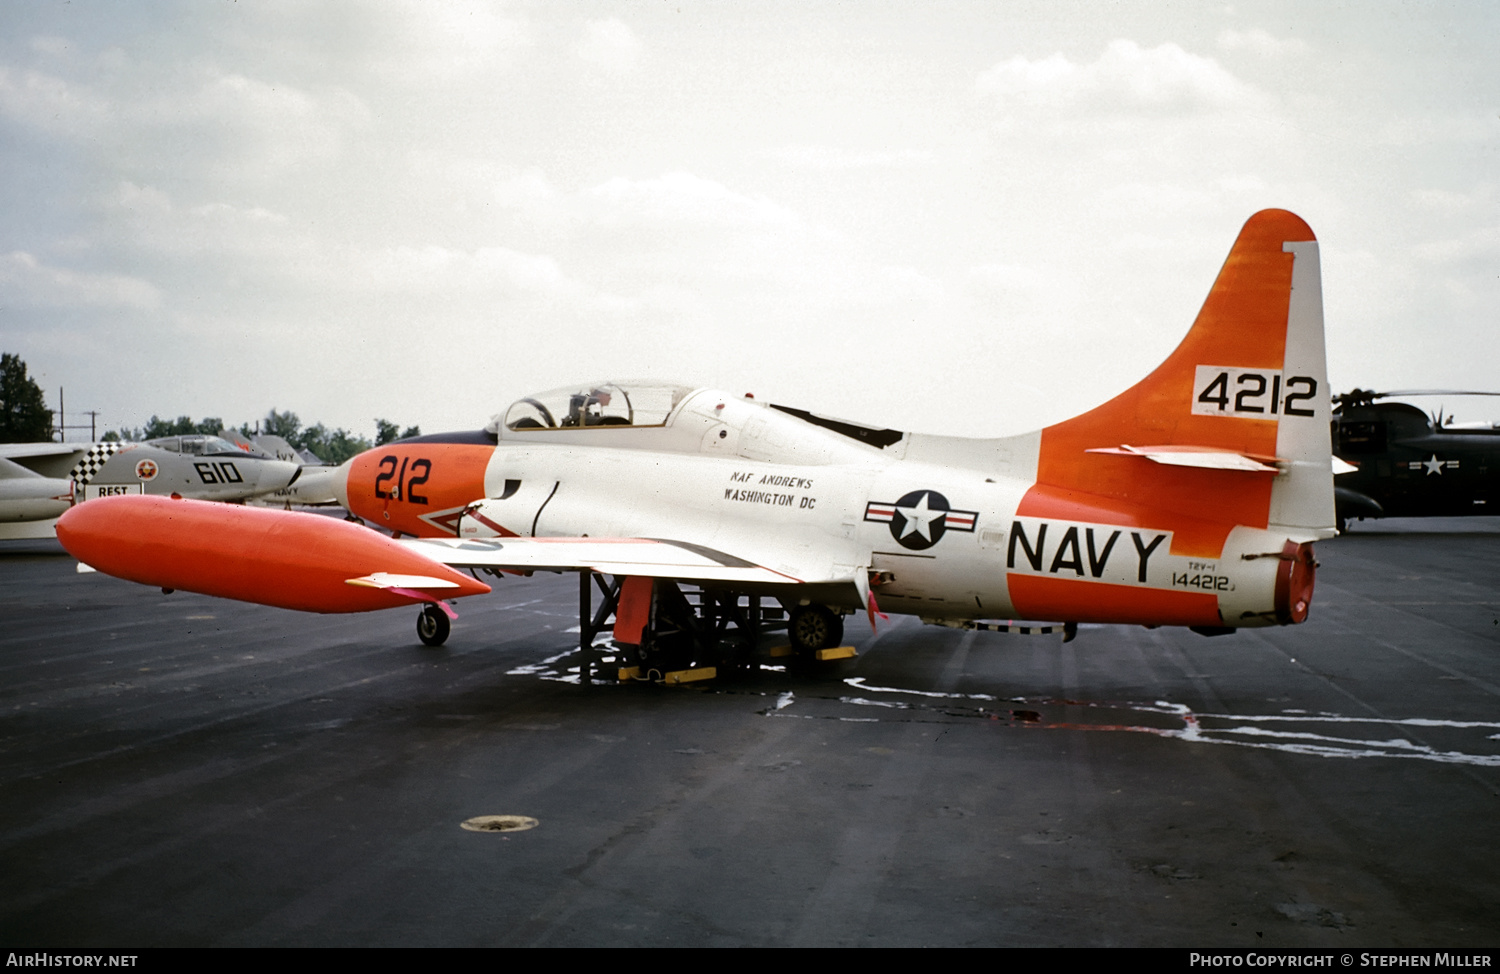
62, 426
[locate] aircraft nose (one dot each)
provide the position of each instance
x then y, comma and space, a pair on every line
278, 474
340, 481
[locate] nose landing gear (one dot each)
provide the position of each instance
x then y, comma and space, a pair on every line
433, 625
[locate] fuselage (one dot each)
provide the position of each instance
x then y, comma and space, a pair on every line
1407, 466
34, 498
937, 524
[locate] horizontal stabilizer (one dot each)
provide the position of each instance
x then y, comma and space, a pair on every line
24, 450
1205, 457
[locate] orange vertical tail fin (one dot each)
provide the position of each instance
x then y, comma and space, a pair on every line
1232, 429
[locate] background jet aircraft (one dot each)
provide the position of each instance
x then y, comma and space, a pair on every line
1409, 464
26, 495
1191, 499
41, 480
312, 485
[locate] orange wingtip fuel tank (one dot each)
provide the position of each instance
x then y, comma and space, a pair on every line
280, 558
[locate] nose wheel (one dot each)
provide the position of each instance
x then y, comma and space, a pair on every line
433, 626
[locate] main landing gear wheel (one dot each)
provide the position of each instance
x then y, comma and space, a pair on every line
433, 625
814, 627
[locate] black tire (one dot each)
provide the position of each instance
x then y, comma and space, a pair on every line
814, 627
433, 626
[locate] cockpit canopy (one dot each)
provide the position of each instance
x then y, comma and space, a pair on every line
198, 444
593, 405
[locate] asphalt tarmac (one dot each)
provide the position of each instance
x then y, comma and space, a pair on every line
179, 770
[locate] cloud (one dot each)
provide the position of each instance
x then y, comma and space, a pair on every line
253, 243
145, 223
409, 43
187, 117
526, 190
609, 45
1426, 130
50, 104
681, 199
262, 127
27, 282
1259, 42
1479, 244
445, 270
1125, 79
831, 159
1451, 204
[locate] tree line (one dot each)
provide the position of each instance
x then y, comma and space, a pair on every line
332, 446
25, 418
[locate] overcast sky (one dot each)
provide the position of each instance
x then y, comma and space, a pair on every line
966, 217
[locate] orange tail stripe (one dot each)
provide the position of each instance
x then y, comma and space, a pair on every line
1074, 601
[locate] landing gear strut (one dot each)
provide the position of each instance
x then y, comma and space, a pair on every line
660, 630
433, 625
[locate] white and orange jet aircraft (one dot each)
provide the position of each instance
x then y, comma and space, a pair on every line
1191, 499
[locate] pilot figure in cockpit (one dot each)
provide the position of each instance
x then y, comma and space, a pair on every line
587, 410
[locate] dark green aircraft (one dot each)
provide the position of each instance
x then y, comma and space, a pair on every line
1408, 463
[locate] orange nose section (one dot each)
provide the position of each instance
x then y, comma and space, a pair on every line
280, 558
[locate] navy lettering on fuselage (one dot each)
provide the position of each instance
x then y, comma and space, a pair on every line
1144, 551
1088, 557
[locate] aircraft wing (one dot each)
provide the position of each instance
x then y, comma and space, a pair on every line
47, 459
651, 557
61, 461
10, 470
14, 451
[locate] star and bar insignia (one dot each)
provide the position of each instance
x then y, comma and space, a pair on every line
920, 518
1433, 466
